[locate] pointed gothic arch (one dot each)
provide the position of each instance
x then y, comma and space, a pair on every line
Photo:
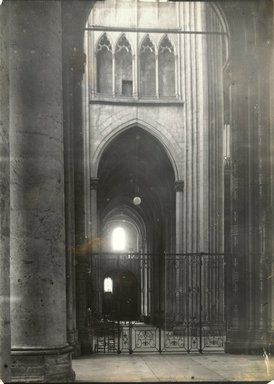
171, 149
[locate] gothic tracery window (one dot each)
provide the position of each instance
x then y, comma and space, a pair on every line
104, 66
120, 78
123, 67
166, 62
147, 68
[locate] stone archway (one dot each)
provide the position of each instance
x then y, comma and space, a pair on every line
249, 214
135, 159
241, 83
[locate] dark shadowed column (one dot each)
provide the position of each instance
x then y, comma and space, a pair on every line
74, 16
38, 286
4, 201
249, 300
93, 209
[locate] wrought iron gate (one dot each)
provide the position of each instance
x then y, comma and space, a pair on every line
188, 317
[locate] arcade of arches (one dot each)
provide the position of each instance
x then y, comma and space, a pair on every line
136, 179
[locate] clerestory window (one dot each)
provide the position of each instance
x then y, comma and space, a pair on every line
118, 71
166, 62
123, 67
147, 68
104, 66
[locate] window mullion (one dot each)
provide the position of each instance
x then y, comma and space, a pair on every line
157, 75
94, 75
176, 78
134, 77
113, 74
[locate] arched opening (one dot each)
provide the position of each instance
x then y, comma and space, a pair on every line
135, 164
195, 121
134, 173
118, 239
121, 233
147, 68
166, 59
108, 285
121, 303
123, 67
104, 65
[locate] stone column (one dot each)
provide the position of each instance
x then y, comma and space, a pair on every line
73, 69
134, 77
271, 203
93, 211
157, 75
38, 270
251, 254
235, 240
4, 201
74, 15
113, 75
179, 188
227, 195
82, 304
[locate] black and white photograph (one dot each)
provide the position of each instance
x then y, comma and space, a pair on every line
136, 191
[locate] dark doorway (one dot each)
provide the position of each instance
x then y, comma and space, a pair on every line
120, 297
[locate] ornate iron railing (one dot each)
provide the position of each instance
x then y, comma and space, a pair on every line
189, 315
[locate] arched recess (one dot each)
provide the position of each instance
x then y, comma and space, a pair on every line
121, 215
135, 163
124, 216
74, 30
160, 133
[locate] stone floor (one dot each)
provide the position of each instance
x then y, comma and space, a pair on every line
173, 368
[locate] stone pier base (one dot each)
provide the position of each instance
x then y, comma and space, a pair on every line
42, 365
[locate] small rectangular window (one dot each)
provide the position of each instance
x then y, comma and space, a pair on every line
127, 87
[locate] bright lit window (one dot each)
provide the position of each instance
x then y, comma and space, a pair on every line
108, 285
118, 239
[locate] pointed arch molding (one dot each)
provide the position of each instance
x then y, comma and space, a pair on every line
171, 147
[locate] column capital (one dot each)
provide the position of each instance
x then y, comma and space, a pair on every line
94, 183
179, 186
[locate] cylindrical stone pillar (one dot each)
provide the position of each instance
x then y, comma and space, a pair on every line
38, 281
4, 200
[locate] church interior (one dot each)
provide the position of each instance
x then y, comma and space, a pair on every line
136, 183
